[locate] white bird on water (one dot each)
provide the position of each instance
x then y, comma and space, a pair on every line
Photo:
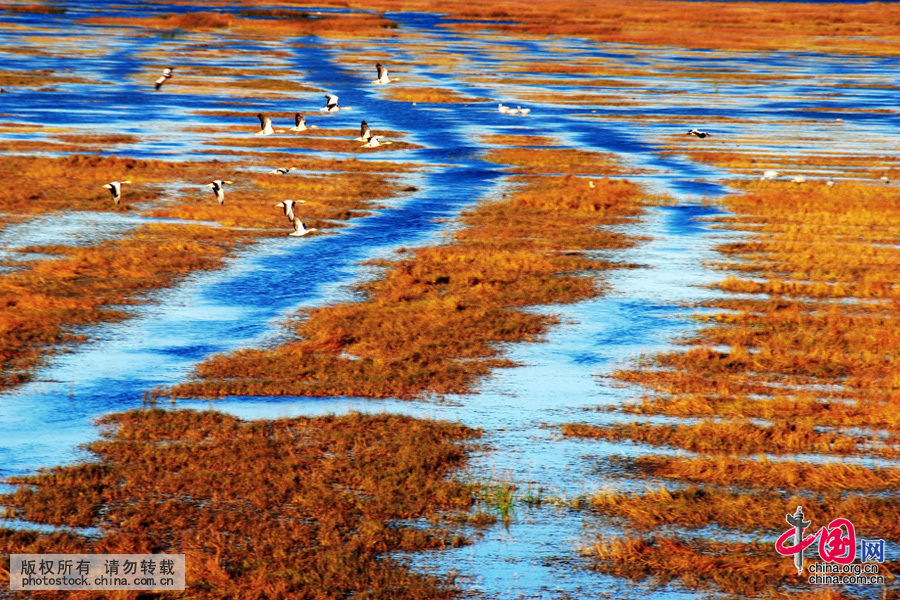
115, 188
799, 179
300, 123
218, 188
266, 124
375, 142
382, 75
503, 110
288, 207
281, 171
166, 74
698, 133
331, 104
365, 134
770, 175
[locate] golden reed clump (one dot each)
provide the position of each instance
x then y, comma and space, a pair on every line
291, 508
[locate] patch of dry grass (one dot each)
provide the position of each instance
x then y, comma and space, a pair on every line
299, 508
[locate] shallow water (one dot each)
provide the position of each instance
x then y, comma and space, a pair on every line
519, 409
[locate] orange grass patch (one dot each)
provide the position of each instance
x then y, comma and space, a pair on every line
519, 140
764, 474
557, 160
743, 569
291, 508
761, 512
32, 185
338, 25
250, 201
432, 322
725, 437
428, 95
39, 78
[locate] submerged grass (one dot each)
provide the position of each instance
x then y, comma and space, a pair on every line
300, 508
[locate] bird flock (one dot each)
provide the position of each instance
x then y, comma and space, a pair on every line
217, 186
368, 140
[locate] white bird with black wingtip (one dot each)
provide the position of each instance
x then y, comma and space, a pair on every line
331, 104
699, 134
166, 75
375, 142
300, 123
299, 228
266, 124
218, 188
365, 134
281, 170
382, 75
115, 188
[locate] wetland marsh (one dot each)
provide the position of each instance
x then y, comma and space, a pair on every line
567, 353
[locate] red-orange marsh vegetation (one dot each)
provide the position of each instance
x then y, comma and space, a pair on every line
428, 95
300, 24
40, 77
291, 508
750, 512
519, 140
566, 161
433, 321
866, 28
33, 185
329, 199
741, 569
726, 437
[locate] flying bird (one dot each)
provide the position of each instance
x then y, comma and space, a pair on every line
374, 142
281, 171
288, 207
365, 134
115, 188
166, 74
698, 133
218, 189
300, 123
331, 104
382, 75
266, 124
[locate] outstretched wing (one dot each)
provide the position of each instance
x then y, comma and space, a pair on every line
262, 120
382, 72
364, 131
331, 100
298, 119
